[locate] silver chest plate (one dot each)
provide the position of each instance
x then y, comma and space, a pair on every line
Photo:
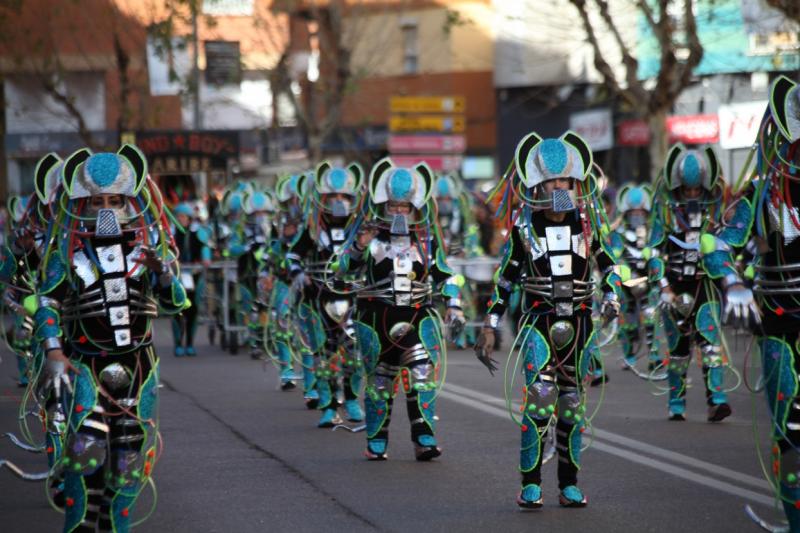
783, 223
558, 238
84, 268
111, 258
561, 265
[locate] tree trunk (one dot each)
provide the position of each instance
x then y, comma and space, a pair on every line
659, 142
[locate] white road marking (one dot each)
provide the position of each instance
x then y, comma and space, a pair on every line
483, 402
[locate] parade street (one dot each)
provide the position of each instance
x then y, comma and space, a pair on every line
240, 455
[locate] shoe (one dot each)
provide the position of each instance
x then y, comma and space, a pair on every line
602, 378
628, 362
530, 497
677, 410
354, 411
190, 351
287, 384
719, 412
425, 448
179, 351
255, 353
312, 399
572, 496
677, 417
329, 418
376, 450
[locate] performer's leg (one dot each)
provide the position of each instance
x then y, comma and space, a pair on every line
539, 405
708, 340
780, 359
190, 316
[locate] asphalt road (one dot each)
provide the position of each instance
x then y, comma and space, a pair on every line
240, 455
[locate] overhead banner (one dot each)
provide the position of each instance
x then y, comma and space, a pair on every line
739, 124
595, 126
445, 163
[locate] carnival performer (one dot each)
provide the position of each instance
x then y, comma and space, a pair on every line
324, 315
460, 237
628, 242
20, 261
281, 342
549, 253
108, 270
194, 254
399, 252
250, 244
775, 270
688, 199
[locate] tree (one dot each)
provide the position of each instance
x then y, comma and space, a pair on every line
680, 51
318, 105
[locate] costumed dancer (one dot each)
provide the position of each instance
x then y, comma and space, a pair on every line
460, 237
776, 282
282, 344
688, 207
400, 254
108, 271
550, 253
324, 315
20, 261
629, 244
250, 245
194, 254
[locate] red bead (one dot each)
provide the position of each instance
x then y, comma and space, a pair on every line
425, 405
82, 339
618, 283
524, 428
79, 408
710, 328
436, 347
780, 396
70, 502
50, 449
779, 311
124, 512
797, 504
536, 303
530, 366
583, 307
50, 321
380, 411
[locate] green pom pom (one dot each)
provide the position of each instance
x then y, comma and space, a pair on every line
646, 253
707, 243
31, 304
749, 272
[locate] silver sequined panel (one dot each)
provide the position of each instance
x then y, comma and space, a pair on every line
111, 258
785, 226
116, 289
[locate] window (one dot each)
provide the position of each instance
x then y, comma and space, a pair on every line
410, 54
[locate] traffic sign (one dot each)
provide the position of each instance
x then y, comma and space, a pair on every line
427, 104
427, 144
420, 123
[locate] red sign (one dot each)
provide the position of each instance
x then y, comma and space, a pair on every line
689, 129
693, 129
431, 144
633, 133
436, 162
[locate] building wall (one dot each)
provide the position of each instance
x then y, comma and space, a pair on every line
369, 103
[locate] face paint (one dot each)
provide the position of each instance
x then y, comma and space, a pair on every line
339, 207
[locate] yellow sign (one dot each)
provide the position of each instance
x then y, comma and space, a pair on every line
128, 137
427, 104
442, 123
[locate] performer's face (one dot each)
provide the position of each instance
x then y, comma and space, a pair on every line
691, 193
105, 201
562, 184
398, 208
183, 220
